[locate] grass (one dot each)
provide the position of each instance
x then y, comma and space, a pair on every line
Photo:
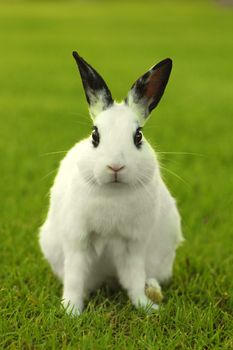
43, 109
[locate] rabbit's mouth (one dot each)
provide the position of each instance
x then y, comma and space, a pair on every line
115, 181
116, 178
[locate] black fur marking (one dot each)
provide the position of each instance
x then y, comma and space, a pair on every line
93, 83
138, 138
149, 88
95, 136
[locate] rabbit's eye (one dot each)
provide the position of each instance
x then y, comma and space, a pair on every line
138, 138
95, 136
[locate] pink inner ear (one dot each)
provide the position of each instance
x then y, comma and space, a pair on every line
157, 82
149, 88
152, 86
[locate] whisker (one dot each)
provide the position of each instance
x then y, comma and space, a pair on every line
145, 188
163, 161
82, 116
51, 153
182, 153
90, 183
177, 176
51, 172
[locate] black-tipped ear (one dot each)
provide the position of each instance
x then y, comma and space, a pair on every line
97, 93
147, 91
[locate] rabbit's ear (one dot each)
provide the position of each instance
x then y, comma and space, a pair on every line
97, 93
147, 91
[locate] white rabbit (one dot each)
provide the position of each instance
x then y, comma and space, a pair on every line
111, 215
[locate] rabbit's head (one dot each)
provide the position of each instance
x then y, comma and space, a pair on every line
117, 152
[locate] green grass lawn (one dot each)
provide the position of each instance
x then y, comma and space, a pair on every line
43, 110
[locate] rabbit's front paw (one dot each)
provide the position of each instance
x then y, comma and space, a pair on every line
71, 308
153, 290
143, 302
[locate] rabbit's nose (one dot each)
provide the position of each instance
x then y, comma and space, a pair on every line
115, 168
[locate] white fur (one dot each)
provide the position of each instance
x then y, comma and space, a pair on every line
97, 102
97, 229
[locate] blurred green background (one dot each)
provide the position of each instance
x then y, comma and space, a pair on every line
43, 109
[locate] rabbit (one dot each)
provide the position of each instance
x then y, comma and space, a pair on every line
111, 214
